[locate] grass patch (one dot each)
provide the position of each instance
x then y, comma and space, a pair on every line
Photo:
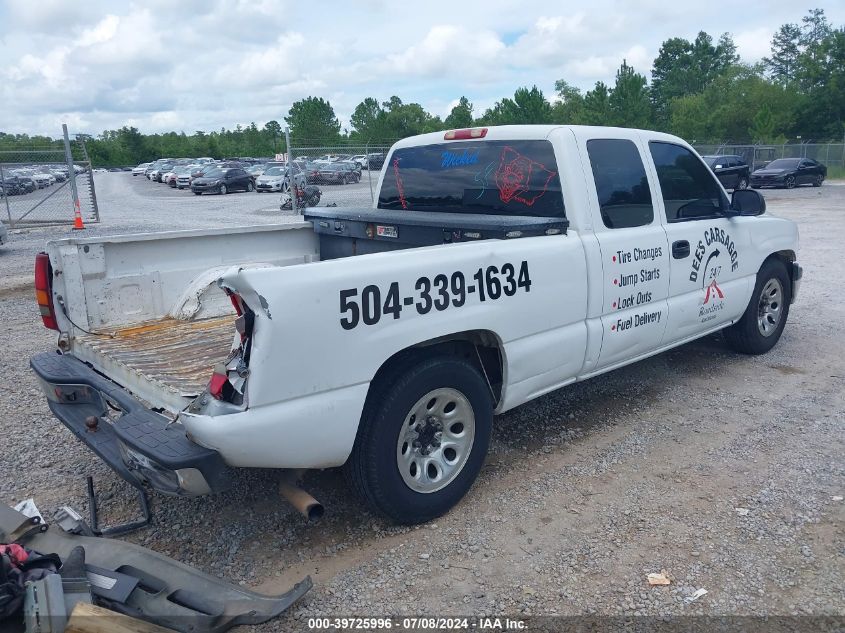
836, 172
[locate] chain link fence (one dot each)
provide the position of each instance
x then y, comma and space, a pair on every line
347, 174
36, 186
830, 154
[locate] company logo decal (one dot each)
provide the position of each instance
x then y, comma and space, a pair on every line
707, 265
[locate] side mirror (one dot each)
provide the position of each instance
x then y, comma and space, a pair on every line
748, 202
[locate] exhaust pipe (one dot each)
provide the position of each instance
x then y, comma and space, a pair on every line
307, 505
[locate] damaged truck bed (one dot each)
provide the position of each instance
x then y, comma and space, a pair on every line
169, 356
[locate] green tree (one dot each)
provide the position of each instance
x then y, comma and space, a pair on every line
528, 105
597, 105
312, 120
628, 102
369, 121
406, 119
273, 132
460, 116
684, 68
785, 51
569, 106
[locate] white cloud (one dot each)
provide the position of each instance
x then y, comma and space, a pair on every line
203, 64
755, 44
448, 50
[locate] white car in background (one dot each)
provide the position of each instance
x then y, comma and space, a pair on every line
140, 169
277, 178
43, 180
360, 160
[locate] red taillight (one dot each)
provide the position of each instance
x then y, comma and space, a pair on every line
43, 290
218, 380
467, 133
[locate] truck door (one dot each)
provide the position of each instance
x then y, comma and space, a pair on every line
708, 286
635, 260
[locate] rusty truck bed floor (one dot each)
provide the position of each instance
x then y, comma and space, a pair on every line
177, 355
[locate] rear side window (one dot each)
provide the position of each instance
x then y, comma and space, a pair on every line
690, 190
487, 177
621, 183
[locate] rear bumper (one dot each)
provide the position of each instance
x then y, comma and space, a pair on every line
138, 444
797, 273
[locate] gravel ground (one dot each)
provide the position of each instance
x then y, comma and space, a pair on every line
584, 493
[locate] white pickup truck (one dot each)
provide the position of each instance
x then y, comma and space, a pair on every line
498, 264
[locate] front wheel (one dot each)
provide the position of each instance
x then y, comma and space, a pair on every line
422, 439
223, 191
743, 183
789, 183
249, 187
760, 327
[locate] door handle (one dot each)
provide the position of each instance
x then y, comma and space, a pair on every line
680, 249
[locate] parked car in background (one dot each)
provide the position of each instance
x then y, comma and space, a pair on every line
256, 170
15, 185
355, 167
140, 169
731, 170
183, 176
278, 179
361, 160
375, 161
311, 171
27, 184
789, 173
223, 180
4, 234
336, 173
43, 179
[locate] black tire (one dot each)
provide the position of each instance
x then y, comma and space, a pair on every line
745, 335
249, 187
789, 182
222, 190
373, 466
818, 181
743, 183
198, 193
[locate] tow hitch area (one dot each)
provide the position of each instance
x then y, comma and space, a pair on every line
140, 583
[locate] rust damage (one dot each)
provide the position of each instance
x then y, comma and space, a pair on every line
175, 354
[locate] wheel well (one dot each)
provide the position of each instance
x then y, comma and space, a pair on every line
787, 257
481, 347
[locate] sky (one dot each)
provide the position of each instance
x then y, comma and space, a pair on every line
187, 65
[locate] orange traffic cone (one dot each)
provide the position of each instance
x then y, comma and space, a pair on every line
77, 217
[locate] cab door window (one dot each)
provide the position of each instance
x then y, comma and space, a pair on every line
621, 183
690, 190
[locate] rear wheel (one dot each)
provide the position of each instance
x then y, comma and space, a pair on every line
819, 179
249, 187
423, 438
760, 327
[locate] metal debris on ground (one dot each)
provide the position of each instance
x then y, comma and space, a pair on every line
696, 595
743, 512
28, 508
